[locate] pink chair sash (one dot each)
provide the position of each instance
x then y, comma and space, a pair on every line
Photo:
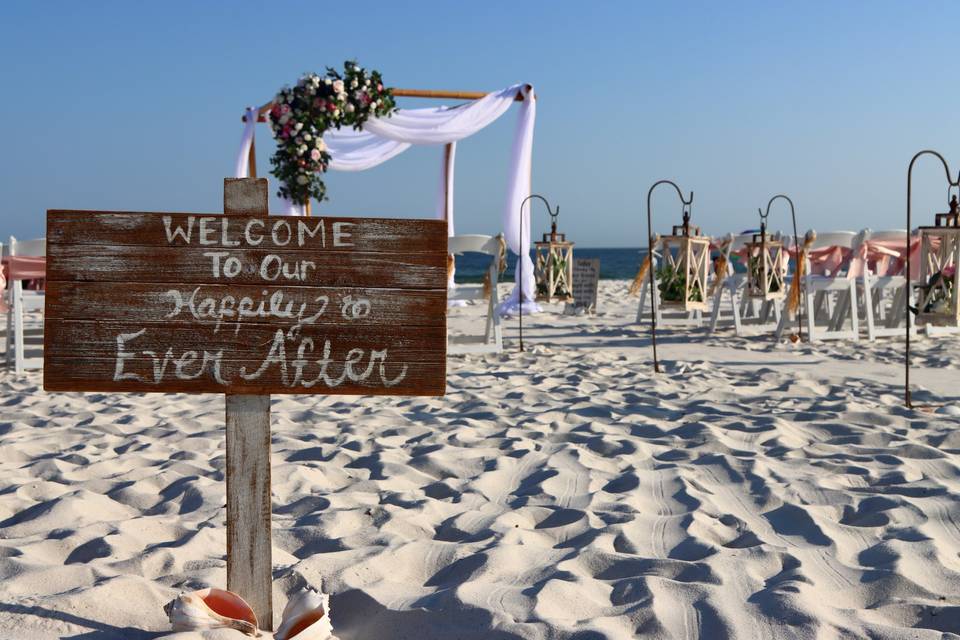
885, 258
20, 268
828, 260
24, 268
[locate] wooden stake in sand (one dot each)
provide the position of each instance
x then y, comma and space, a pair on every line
249, 553
245, 305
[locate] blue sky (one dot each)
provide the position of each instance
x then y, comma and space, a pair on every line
136, 106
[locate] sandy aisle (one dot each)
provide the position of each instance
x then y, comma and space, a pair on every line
750, 491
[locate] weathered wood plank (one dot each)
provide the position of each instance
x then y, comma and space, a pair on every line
250, 342
208, 303
99, 228
193, 265
98, 374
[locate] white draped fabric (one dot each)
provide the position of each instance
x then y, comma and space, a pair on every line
384, 138
242, 169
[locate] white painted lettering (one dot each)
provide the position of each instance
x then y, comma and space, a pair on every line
281, 224
251, 238
206, 232
303, 231
178, 231
340, 234
215, 259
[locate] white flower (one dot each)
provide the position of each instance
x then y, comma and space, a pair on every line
327, 81
354, 84
336, 113
285, 118
302, 179
298, 126
307, 137
349, 108
321, 145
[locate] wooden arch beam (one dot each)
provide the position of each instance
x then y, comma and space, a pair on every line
407, 93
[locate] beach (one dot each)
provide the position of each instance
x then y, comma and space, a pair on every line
750, 490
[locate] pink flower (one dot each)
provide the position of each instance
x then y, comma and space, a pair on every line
315, 155
331, 107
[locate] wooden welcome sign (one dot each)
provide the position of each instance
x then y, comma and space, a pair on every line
246, 305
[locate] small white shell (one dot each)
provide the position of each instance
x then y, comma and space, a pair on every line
211, 609
306, 617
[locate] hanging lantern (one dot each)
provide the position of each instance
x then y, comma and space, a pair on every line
682, 273
938, 302
766, 266
554, 265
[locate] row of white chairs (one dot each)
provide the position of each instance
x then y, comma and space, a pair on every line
834, 304
20, 302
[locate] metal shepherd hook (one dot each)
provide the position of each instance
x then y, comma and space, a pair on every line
796, 251
906, 298
653, 286
553, 214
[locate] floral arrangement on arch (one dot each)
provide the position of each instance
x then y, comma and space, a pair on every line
302, 114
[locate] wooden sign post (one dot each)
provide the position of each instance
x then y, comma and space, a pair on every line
245, 305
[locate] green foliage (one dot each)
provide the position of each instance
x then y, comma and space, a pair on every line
558, 264
673, 285
302, 114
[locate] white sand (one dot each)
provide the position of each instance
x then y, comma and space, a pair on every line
749, 491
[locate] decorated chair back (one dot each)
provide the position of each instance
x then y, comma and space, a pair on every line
28, 248
458, 245
885, 252
831, 252
738, 247
26, 259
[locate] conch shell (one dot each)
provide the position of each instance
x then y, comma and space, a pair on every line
306, 617
211, 609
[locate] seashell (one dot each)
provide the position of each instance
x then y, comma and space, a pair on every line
306, 617
211, 609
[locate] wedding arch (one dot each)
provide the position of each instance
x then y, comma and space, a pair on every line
381, 139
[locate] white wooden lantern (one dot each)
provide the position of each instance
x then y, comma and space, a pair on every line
682, 272
766, 267
554, 266
938, 301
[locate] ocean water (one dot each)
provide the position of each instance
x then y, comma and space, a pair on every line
615, 264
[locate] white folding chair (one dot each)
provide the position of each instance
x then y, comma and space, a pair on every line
883, 290
480, 343
743, 309
20, 301
830, 299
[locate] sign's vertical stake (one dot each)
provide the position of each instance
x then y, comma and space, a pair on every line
249, 559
